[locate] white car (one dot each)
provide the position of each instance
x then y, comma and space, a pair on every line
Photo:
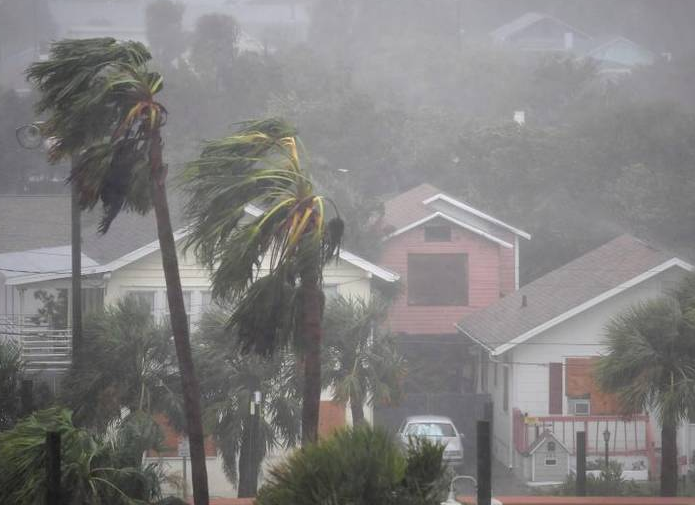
437, 429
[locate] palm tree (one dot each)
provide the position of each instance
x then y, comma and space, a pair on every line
103, 110
270, 266
651, 365
11, 371
360, 359
228, 382
131, 365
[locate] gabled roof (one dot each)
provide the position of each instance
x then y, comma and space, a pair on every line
46, 260
92, 268
525, 21
561, 294
417, 206
546, 435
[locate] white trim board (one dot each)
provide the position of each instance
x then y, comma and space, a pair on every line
455, 221
476, 212
673, 262
141, 252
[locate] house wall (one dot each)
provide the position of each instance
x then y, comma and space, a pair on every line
490, 273
578, 336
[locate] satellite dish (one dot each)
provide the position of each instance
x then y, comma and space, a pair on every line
29, 136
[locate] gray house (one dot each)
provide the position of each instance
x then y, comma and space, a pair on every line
547, 460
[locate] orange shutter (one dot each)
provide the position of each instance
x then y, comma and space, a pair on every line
581, 383
331, 418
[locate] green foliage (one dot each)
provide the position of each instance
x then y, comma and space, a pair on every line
608, 483
131, 364
11, 367
228, 380
164, 26
360, 466
90, 473
261, 166
100, 97
54, 311
215, 46
652, 350
360, 359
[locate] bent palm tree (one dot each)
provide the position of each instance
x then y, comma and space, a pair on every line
269, 266
102, 103
360, 359
650, 365
228, 382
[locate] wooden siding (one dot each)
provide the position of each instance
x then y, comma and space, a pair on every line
491, 272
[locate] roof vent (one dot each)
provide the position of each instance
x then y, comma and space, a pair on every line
523, 301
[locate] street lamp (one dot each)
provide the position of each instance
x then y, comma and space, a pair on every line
606, 439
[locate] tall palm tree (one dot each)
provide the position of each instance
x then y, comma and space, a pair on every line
651, 365
360, 359
269, 266
102, 104
228, 382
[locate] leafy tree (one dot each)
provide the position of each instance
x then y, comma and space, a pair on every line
54, 311
650, 366
361, 466
228, 381
102, 101
131, 365
11, 368
291, 241
360, 359
215, 46
90, 468
164, 25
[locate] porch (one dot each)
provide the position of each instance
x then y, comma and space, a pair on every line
42, 348
631, 438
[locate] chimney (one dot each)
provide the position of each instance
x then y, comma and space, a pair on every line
523, 301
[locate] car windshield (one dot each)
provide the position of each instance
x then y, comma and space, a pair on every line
430, 430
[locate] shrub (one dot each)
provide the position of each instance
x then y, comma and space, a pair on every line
359, 466
90, 472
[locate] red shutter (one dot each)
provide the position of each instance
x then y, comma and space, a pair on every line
555, 389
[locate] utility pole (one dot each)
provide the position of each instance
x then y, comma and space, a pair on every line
30, 136
581, 463
484, 450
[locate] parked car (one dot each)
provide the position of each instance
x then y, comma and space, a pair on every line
437, 429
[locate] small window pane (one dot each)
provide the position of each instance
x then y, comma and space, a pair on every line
550, 462
330, 291
438, 233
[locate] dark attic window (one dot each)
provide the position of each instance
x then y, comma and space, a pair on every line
438, 233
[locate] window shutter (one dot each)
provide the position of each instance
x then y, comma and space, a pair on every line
555, 389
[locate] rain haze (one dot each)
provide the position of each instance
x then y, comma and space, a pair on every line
502, 194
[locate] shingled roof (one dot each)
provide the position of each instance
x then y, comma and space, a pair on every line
574, 287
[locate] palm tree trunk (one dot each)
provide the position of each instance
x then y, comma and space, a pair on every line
311, 313
669, 460
179, 325
357, 410
249, 460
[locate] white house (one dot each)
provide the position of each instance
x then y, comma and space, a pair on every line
536, 348
126, 261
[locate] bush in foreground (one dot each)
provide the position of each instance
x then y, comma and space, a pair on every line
359, 466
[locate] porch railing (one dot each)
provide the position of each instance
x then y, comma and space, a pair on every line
630, 436
41, 348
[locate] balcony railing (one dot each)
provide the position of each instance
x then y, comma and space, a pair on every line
41, 348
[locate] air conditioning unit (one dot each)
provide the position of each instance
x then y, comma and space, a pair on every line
579, 406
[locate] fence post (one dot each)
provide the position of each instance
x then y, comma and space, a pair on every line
27, 397
53, 468
581, 463
484, 450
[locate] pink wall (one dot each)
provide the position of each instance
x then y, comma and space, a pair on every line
491, 272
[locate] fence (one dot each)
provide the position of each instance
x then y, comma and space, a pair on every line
41, 348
